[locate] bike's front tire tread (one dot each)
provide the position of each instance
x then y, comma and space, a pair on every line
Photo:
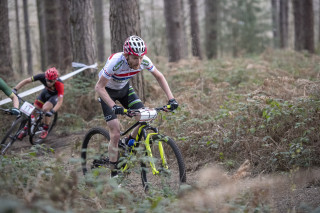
5, 141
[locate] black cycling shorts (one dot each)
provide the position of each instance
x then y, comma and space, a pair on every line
126, 96
46, 96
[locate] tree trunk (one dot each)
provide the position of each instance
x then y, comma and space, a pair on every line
275, 27
125, 21
82, 31
27, 34
211, 22
52, 33
42, 33
298, 20
184, 35
284, 23
5, 50
65, 52
195, 31
303, 24
309, 26
98, 14
172, 13
20, 59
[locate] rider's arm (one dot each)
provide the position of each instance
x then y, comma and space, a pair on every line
163, 83
100, 89
15, 100
23, 82
59, 104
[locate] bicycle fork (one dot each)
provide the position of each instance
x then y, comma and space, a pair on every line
161, 151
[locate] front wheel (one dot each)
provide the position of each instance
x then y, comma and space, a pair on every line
12, 134
37, 128
165, 171
94, 152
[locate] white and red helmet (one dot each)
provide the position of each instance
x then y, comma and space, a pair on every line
134, 45
52, 74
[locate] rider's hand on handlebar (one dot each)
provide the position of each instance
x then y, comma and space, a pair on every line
173, 104
14, 111
118, 110
50, 113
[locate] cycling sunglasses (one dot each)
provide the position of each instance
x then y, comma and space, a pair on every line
50, 81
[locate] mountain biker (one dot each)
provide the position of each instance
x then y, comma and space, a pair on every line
7, 90
49, 100
113, 84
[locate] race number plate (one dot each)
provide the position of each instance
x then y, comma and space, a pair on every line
27, 108
147, 114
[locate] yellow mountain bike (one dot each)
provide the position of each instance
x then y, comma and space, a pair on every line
161, 164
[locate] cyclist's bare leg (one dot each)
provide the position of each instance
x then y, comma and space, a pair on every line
114, 127
46, 108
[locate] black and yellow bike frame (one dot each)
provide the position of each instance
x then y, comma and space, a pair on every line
142, 134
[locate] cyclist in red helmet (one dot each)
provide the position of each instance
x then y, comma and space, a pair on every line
49, 100
113, 85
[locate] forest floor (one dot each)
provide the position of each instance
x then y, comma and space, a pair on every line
284, 196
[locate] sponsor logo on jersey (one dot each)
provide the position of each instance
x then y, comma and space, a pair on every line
145, 62
118, 65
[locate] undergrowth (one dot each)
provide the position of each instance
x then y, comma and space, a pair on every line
264, 109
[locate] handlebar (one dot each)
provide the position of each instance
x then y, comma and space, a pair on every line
133, 112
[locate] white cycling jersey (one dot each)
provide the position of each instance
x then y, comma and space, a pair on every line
118, 71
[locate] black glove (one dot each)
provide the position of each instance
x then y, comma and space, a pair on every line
173, 104
15, 91
118, 110
50, 113
15, 111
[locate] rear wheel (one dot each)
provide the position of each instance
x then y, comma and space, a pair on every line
12, 134
36, 130
168, 162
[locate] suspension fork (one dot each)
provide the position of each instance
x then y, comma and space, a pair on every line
149, 151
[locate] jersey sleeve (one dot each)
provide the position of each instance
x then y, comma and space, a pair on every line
147, 64
38, 77
60, 88
108, 71
5, 88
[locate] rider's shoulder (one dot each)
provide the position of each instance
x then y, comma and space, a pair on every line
146, 61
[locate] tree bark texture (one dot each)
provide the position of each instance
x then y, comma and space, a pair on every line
98, 14
65, 51
309, 25
275, 23
172, 13
82, 31
42, 33
52, 33
125, 21
27, 34
195, 31
303, 24
284, 23
20, 58
6, 70
211, 22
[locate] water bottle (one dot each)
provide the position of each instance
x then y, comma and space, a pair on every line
130, 142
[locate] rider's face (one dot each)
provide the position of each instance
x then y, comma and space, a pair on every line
134, 61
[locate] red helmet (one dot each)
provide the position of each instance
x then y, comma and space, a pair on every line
134, 45
52, 74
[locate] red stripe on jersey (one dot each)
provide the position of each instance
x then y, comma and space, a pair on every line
111, 56
127, 74
59, 87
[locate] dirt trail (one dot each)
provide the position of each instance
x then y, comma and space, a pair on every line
287, 196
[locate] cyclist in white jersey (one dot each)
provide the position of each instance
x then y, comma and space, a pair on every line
113, 85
